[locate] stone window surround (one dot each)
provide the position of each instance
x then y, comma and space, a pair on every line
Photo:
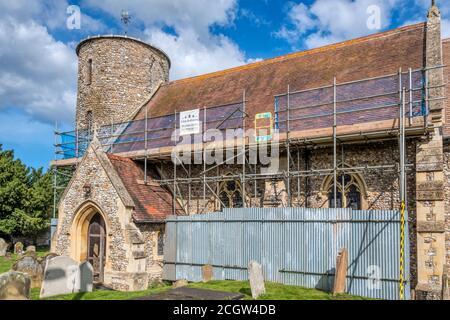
223, 188
356, 180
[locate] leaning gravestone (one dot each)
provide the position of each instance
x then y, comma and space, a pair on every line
86, 274
60, 277
30, 265
18, 248
3, 247
341, 271
207, 273
180, 283
256, 278
14, 286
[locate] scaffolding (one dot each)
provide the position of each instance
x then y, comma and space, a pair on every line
402, 97
411, 90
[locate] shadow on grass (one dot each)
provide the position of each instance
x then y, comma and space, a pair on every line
246, 291
79, 296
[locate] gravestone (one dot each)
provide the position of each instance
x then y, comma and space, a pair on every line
32, 267
180, 283
18, 248
61, 276
30, 249
43, 260
256, 278
3, 247
207, 273
14, 286
86, 275
341, 271
29, 254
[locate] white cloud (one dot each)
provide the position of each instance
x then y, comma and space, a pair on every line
253, 18
198, 15
48, 13
37, 73
190, 56
329, 21
190, 44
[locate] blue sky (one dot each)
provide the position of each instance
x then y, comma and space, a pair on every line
38, 65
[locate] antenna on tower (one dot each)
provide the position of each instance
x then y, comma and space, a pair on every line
125, 17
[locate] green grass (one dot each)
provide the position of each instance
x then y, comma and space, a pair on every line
103, 294
274, 291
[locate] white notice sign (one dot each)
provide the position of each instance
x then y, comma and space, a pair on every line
189, 122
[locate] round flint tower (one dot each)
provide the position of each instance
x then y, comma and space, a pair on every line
116, 76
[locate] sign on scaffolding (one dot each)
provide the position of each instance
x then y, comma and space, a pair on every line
263, 126
190, 122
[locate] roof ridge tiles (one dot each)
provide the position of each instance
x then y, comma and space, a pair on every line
293, 55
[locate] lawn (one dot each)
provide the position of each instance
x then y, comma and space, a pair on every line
103, 294
274, 291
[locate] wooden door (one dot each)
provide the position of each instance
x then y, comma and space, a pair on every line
96, 246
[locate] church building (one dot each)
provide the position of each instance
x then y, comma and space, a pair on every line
364, 124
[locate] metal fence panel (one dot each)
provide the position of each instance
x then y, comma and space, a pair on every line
296, 246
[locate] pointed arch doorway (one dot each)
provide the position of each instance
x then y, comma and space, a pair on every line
96, 246
89, 237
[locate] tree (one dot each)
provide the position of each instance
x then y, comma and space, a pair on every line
25, 197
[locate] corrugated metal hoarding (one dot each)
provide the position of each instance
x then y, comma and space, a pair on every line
296, 246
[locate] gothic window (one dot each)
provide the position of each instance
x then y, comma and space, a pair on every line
89, 72
231, 194
348, 192
89, 121
160, 243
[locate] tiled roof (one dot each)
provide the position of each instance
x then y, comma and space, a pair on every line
152, 202
375, 55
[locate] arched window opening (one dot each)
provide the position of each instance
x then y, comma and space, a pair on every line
231, 194
89, 121
160, 245
348, 193
89, 72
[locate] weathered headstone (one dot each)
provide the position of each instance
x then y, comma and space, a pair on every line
30, 249
18, 248
86, 277
30, 265
61, 276
180, 283
3, 247
29, 254
341, 271
207, 273
256, 278
14, 286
